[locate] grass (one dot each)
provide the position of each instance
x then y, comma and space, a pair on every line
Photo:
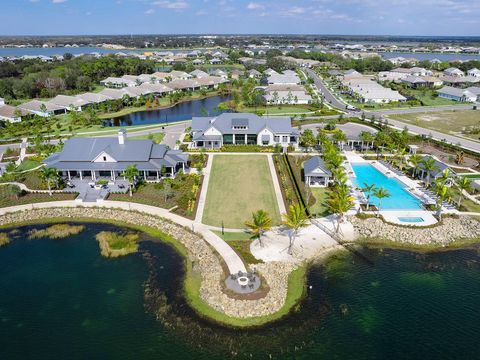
240, 242
319, 208
28, 164
7, 200
233, 236
472, 176
239, 186
4, 239
455, 122
57, 231
116, 245
185, 191
155, 137
276, 109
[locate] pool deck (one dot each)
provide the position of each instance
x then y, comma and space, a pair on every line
413, 187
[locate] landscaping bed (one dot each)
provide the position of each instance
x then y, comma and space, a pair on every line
6, 199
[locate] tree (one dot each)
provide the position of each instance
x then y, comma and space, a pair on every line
11, 190
166, 190
368, 190
443, 194
131, 172
415, 160
307, 139
49, 175
428, 165
463, 184
340, 138
339, 202
381, 193
366, 137
294, 219
260, 224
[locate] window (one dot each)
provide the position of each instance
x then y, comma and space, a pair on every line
285, 139
252, 139
228, 139
104, 158
238, 127
276, 139
239, 138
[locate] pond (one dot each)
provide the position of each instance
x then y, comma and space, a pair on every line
62, 299
179, 112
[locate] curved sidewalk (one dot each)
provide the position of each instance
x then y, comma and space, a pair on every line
232, 260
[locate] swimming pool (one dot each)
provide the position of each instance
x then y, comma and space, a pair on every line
400, 198
411, 219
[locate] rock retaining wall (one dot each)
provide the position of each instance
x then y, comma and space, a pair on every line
451, 230
205, 262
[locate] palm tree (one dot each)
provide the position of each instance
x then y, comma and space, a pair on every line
294, 219
463, 184
131, 173
415, 160
260, 224
428, 166
339, 202
443, 194
381, 193
368, 190
49, 175
366, 137
340, 138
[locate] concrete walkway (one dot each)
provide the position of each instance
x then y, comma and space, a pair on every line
203, 192
23, 151
276, 185
232, 260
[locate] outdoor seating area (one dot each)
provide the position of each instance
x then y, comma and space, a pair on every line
243, 282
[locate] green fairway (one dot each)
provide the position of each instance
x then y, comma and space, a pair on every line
320, 194
238, 186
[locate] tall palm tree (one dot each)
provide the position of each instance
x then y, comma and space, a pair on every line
368, 190
381, 193
366, 137
462, 183
294, 219
261, 223
340, 138
339, 202
428, 166
49, 175
443, 194
131, 172
415, 160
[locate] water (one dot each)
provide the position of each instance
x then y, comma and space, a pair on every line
400, 198
431, 56
182, 111
60, 299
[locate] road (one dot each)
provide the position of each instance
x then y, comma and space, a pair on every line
459, 141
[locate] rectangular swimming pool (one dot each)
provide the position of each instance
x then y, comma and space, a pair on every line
400, 198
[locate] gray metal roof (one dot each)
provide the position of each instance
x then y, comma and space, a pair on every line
440, 167
311, 167
224, 124
79, 153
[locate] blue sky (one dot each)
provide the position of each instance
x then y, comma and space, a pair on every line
394, 17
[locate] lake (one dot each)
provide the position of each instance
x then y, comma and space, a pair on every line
431, 56
62, 299
182, 111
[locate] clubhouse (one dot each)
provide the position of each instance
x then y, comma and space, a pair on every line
241, 129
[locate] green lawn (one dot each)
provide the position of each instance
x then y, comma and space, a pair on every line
274, 109
319, 207
156, 137
449, 122
233, 236
27, 165
238, 186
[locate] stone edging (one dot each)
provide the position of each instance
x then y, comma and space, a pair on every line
205, 262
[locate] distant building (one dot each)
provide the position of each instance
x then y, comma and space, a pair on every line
453, 71
462, 95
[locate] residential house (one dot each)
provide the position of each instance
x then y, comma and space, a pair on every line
473, 72
70, 103
280, 79
453, 71
114, 94
242, 128
270, 72
286, 94
100, 158
197, 62
221, 73
179, 84
456, 94
198, 73
367, 91
93, 98
115, 82
215, 61
415, 82
42, 108
316, 173
11, 113
254, 74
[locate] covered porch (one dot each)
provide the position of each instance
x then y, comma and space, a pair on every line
320, 181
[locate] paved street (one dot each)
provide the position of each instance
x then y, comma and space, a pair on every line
465, 143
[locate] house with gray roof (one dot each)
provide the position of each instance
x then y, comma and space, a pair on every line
74, 103
11, 113
42, 108
439, 170
456, 94
106, 158
316, 173
240, 129
453, 71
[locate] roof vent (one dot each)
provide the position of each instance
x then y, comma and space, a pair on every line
122, 136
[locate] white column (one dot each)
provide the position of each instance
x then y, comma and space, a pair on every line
81, 177
172, 171
145, 174
183, 166
158, 175
68, 174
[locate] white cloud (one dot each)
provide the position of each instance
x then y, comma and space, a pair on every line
150, 12
58, 1
255, 6
201, 13
175, 5
293, 11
